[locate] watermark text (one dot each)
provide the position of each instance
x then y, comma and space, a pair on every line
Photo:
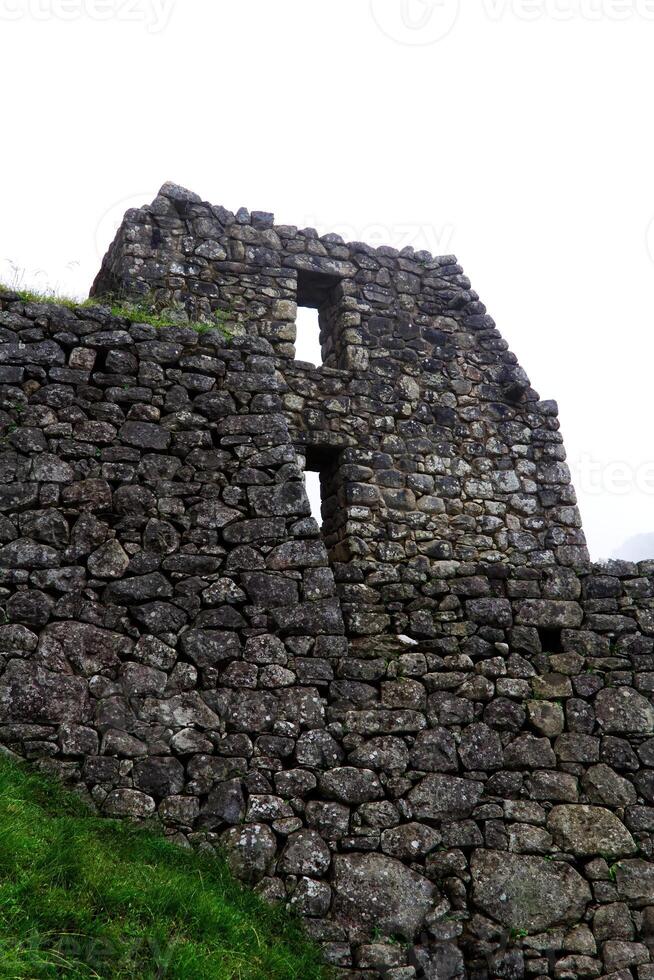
154, 15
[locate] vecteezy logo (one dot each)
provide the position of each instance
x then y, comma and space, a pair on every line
154, 14
415, 22
650, 239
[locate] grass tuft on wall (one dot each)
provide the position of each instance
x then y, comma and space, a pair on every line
142, 311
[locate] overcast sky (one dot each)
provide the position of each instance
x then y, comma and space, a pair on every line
515, 133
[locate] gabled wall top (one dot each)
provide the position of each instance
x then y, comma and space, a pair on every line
440, 448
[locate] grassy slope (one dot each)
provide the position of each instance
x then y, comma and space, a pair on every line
85, 897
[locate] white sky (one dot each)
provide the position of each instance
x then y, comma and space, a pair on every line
514, 133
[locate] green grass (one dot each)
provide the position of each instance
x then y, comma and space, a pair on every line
83, 897
33, 296
144, 311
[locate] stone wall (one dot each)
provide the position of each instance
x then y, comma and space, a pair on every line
439, 445
428, 730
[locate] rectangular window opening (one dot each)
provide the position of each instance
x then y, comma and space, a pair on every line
320, 474
312, 481
315, 314
307, 340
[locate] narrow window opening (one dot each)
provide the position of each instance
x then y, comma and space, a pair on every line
307, 341
550, 640
315, 316
312, 480
321, 480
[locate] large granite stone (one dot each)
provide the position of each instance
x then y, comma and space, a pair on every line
588, 830
381, 894
525, 892
439, 797
623, 710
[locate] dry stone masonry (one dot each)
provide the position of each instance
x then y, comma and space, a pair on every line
426, 727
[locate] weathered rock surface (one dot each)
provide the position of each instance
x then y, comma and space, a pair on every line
250, 851
622, 709
524, 892
589, 830
381, 894
444, 797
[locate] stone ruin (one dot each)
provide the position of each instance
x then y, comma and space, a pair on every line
427, 726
